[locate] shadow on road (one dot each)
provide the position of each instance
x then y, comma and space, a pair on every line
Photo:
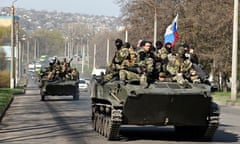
46, 121
168, 134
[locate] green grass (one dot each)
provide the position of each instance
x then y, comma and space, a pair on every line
224, 97
6, 96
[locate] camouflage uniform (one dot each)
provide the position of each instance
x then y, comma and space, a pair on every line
74, 74
188, 71
161, 62
125, 73
115, 66
146, 64
173, 68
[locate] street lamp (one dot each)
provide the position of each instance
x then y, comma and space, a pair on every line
12, 71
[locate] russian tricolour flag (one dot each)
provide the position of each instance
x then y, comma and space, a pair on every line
171, 34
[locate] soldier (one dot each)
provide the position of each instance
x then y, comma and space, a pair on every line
50, 74
200, 74
163, 56
58, 69
159, 45
193, 56
74, 74
173, 68
161, 62
120, 55
186, 50
129, 69
145, 61
189, 72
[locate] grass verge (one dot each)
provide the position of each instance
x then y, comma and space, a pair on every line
225, 97
6, 96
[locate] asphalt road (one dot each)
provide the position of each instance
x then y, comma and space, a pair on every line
59, 120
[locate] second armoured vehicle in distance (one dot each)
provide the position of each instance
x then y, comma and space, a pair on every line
59, 88
189, 108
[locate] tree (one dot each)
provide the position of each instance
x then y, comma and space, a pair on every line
2, 60
50, 42
5, 35
205, 25
4, 38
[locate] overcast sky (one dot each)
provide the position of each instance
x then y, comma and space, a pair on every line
95, 7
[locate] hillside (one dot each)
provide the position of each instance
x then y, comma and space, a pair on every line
31, 20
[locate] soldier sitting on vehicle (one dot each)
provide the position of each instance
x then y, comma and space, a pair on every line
173, 68
113, 69
74, 74
188, 72
129, 68
145, 61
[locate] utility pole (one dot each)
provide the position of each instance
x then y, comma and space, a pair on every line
94, 57
17, 52
126, 35
68, 49
234, 52
28, 56
20, 59
107, 51
12, 74
83, 58
155, 27
88, 53
35, 49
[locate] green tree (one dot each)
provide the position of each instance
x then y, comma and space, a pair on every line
5, 35
2, 60
4, 38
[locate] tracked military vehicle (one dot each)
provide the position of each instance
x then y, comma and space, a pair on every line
189, 108
59, 88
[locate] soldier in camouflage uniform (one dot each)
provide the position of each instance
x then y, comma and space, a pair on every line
173, 68
74, 74
161, 65
145, 61
188, 71
120, 55
129, 69
186, 67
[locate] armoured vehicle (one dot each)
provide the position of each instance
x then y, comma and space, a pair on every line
189, 108
59, 88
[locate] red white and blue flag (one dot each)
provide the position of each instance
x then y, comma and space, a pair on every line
171, 34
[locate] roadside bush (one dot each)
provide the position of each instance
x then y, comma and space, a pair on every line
4, 79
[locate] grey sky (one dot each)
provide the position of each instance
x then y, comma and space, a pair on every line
95, 7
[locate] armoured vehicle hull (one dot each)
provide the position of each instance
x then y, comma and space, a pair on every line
59, 88
189, 108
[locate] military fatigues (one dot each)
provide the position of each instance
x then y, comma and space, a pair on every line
188, 71
126, 73
115, 66
161, 63
145, 61
61, 71
173, 68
